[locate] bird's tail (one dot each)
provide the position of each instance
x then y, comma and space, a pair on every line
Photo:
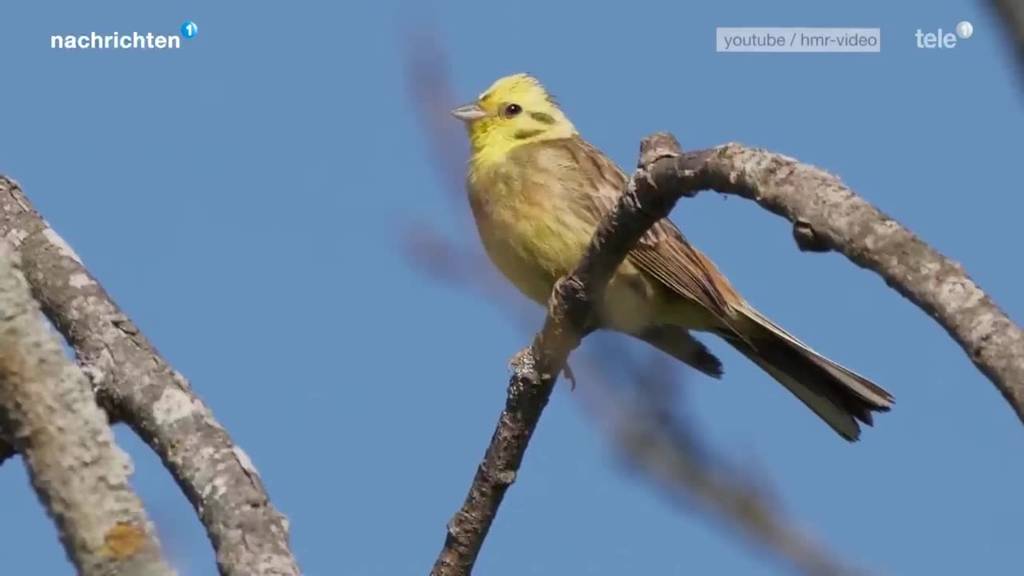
838, 395
681, 345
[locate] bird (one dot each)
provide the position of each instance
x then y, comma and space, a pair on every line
538, 191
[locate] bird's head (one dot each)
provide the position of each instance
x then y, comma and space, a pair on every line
515, 110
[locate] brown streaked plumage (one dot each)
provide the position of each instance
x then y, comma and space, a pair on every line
538, 192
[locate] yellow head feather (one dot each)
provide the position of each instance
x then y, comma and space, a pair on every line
516, 110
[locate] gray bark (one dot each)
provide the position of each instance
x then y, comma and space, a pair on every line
137, 385
49, 413
827, 215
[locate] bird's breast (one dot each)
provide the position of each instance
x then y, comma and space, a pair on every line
529, 230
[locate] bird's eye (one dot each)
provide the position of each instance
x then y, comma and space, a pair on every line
512, 110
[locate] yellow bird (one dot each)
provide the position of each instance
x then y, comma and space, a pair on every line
538, 192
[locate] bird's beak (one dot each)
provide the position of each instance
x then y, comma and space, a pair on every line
469, 113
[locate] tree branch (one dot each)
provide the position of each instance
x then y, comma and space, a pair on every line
535, 369
643, 422
137, 385
79, 473
826, 215
646, 425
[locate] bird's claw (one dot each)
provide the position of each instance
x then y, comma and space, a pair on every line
567, 371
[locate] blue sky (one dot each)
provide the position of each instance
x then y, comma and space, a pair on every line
244, 199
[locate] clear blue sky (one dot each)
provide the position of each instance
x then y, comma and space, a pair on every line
243, 197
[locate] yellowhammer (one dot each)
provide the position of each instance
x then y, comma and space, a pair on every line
538, 191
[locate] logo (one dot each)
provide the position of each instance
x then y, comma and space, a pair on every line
189, 30
940, 39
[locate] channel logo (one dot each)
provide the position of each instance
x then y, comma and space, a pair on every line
944, 40
189, 30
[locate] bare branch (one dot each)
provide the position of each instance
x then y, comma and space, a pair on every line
645, 428
570, 317
722, 493
137, 385
826, 215
79, 473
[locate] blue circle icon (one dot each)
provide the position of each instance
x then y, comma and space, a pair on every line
189, 29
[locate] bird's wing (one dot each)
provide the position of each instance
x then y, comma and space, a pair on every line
662, 252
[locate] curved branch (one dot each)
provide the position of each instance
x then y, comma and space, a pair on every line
536, 368
827, 215
138, 386
79, 473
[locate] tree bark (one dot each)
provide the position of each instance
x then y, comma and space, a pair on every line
827, 215
79, 473
137, 385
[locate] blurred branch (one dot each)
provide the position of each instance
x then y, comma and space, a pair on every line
6, 450
441, 259
429, 82
826, 215
669, 452
432, 97
137, 385
536, 368
1011, 13
664, 453
79, 473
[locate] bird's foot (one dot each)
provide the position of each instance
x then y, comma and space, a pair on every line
567, 371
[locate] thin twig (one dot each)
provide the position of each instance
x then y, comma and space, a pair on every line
432, 96
663, 447
655, 436
137, 385
537, 367
79, 473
